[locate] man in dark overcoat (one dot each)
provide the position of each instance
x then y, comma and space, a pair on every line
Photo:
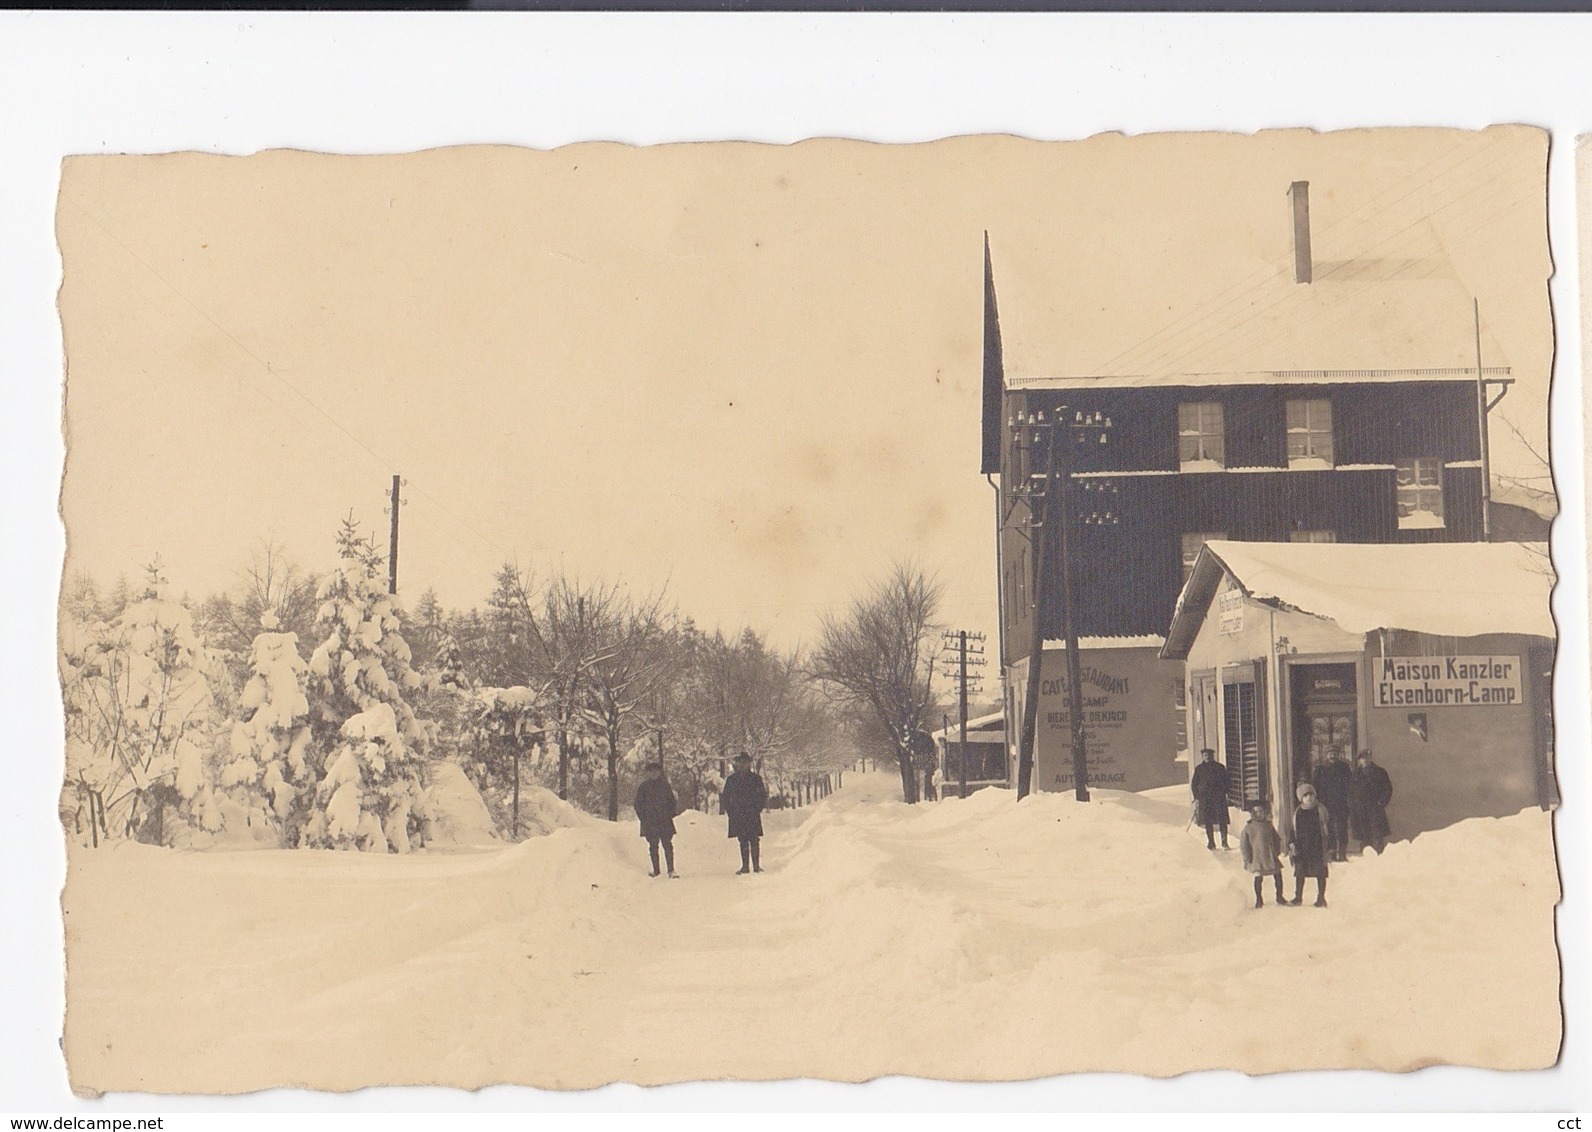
1209, 786
656, 807
1370, 791
742, 800
1332, 779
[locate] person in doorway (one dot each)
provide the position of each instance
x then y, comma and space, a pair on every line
1261, 848
656, 807
1332, 780
1309, 845
1370, 791
742, 800
1209, 786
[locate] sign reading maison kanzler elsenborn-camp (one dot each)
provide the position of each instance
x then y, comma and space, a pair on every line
1448, 681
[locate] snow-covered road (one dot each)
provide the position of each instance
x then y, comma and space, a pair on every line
972, 939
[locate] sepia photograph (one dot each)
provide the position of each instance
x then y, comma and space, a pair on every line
976, 610
725, 567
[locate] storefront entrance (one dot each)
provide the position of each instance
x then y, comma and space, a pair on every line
1325, 716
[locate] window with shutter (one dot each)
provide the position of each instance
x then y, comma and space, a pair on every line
1242, 742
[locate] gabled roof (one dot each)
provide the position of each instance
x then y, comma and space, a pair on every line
1356, 322
1453, 589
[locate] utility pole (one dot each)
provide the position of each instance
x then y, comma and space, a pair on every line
1069, 630
956, 644
1039, 531
1481, 422
392, 548
1048, 510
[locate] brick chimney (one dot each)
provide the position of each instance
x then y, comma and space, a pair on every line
1300, 192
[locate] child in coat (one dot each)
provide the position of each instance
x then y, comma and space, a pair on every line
1260, 845
1309, 847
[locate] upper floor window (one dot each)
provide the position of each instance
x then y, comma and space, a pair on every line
1419, 492
1192, 541
1310, 434
1312, 536
1199, 436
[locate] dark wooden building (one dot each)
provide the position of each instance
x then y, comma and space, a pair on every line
1390, 457
1349, 416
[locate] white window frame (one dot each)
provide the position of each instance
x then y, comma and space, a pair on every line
1308, 424
1207, 432
1409, 497
1313, 536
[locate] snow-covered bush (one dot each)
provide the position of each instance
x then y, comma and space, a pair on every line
502, 746
138, 711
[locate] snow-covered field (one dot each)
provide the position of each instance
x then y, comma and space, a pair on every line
970, 939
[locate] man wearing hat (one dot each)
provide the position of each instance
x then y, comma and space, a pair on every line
1333, 780
656, 807
742, 800
1370, 791
1209, 786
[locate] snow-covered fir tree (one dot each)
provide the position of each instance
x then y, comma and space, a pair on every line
267, 772
448, 664
370, 746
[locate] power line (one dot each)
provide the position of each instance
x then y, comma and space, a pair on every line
270, 371
1231, 344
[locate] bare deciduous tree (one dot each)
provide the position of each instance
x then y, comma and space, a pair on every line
271, 583
879, 659
629, 659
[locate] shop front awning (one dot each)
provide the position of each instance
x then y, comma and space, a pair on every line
985, 729
1455, 589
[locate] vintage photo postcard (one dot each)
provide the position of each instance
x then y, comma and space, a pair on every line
977, 610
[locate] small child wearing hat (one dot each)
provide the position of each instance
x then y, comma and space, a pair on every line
1260, 846
1309, 845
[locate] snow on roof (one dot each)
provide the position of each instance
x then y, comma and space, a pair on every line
1402, 325
1147, 641
1257, 377
983, 721
1454, 589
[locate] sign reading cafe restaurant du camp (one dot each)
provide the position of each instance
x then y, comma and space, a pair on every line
1439, 681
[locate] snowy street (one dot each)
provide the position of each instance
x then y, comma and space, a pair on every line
973, 939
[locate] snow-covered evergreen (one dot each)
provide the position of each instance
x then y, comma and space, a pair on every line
267, 770
370, 750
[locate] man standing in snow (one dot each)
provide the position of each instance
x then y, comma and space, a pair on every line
1309, 845
1332, 787
1370, 790
656, 807
1261, 848
742, 800
1209, 786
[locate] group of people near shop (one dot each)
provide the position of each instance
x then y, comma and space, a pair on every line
1343, 799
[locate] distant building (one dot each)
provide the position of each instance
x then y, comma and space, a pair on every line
1439, 658
1342, 412
984, 753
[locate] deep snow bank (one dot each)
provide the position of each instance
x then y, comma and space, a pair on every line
975, 939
